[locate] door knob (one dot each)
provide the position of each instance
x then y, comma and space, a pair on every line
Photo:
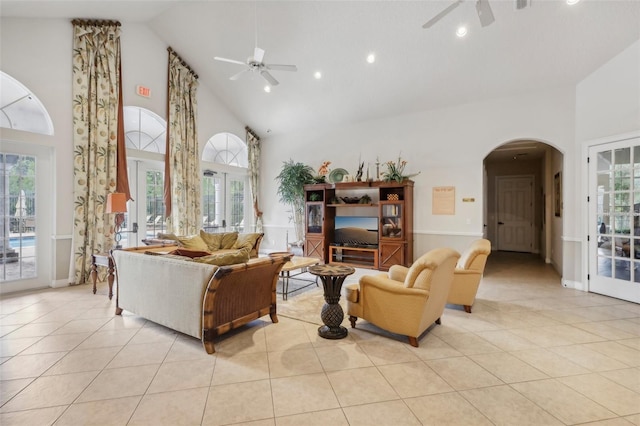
500, 223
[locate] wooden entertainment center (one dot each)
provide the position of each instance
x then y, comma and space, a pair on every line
390, 202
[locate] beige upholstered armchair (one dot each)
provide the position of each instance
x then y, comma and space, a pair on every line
406, 300
468, 273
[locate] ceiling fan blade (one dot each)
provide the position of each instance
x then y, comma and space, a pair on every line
233, 61
258, 54
272, 81
278, 67
485, 14
237, 75
442, 14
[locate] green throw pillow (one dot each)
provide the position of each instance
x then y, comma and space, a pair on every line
228, 240
213, 241
240, 256
193, 242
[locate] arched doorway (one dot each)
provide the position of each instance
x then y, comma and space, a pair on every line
523, 199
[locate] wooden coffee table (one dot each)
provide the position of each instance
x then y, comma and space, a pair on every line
296, 262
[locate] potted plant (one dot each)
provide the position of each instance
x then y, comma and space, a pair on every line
292, 179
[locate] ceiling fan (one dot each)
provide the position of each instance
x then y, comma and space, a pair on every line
255, 63
482, 7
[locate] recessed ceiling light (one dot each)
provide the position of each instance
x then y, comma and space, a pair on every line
317, 75
267, 89
572, 2
371, 58
461, 31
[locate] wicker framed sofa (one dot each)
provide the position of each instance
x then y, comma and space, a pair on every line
193, 297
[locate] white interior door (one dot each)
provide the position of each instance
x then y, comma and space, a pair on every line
614, 219
515, 213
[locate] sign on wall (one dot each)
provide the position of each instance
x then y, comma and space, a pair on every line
444, 200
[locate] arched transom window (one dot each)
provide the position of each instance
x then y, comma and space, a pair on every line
20, 109
144, 130
226, 148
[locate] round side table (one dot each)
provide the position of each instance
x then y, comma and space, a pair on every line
332, 277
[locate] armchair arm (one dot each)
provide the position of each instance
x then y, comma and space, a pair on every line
398, 273
388, 285
467, 272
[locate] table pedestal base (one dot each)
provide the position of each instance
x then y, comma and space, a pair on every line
332, 316
332, 277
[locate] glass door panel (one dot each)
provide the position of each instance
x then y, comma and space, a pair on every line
615, 252
391, 218
18, 204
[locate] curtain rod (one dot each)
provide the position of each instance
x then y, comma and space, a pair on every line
251, 132
95, 22
184, 64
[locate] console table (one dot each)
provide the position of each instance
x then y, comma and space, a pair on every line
332, 277
102, 259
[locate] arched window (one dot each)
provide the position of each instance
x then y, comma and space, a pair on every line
144, 130
226, 148
20, 109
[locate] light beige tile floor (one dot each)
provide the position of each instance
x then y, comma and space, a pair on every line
531, 353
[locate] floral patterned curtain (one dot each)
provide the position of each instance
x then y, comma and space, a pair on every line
96, 80
253, 145
182, 165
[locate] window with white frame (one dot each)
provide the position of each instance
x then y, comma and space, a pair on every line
224, 185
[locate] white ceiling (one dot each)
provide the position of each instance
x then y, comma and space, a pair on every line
547, 45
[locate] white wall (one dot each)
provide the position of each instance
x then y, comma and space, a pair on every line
38, 54
447, 146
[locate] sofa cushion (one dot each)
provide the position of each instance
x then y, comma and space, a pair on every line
170, 236
222, 259
213, 241
193, 242
189, 253
247, 240
228, 240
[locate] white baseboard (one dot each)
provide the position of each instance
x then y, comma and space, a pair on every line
60, 283
577, 285
547, 260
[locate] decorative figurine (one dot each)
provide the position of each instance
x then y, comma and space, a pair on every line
324, 168
359, 174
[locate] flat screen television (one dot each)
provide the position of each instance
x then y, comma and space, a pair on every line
356, 230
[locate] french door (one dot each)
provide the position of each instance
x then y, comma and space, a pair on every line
614, 219
25, 247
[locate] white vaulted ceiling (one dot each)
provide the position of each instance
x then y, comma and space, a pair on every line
547, 45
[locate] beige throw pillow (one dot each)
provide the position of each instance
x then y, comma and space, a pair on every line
240, 256
228, 240
246, 240
193, 242
213, 241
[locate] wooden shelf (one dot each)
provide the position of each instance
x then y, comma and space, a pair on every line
352, 205
354, 256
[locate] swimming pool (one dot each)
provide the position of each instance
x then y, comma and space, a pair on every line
14, 242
